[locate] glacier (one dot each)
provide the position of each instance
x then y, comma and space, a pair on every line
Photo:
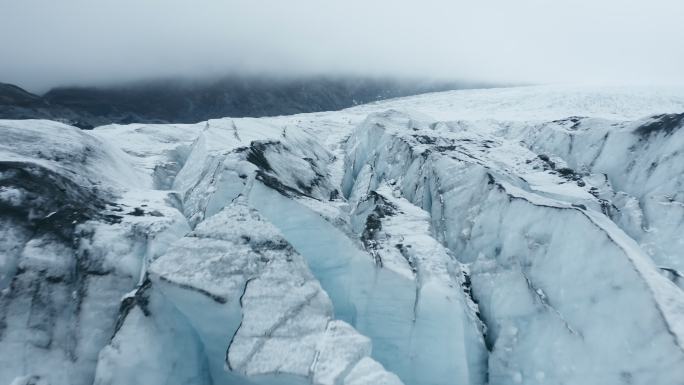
525, 235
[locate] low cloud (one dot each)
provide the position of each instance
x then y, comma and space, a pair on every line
47, 43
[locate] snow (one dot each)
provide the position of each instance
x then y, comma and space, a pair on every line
367, 372
539, 103
483, 236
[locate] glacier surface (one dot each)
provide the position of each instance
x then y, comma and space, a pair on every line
521, 235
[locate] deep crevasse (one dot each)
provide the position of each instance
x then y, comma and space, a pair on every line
421, 333
212, 278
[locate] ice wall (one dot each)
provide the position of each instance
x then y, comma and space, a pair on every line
75, 239
638, 166
556, 283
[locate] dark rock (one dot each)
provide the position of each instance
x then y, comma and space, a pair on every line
191, 101
138, 212
665, 123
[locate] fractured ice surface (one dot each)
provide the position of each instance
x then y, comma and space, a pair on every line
524, 235
253, 304
634, 163
445, 341
557, 282
70, 248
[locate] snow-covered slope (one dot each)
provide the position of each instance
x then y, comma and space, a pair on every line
523, 235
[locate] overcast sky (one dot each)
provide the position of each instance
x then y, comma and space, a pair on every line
44, 43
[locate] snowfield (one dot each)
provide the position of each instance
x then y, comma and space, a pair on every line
528, 235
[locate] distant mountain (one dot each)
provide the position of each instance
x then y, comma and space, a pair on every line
13, 95
17, 103
186, 101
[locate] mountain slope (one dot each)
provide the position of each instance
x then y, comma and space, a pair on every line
190, 101
521, 235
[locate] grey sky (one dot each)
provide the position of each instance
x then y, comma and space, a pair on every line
51, 42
